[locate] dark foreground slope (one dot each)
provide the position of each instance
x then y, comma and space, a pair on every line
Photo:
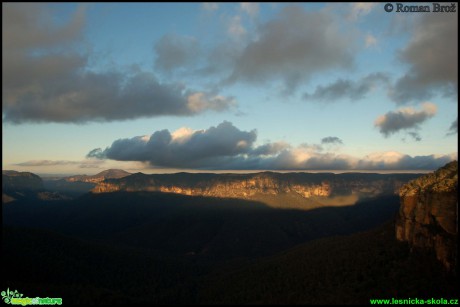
338, 270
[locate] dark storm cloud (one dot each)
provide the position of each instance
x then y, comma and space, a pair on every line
432, 54
331, 140
405, 118
95, 153
348, 89
227, 147
292, 47
46, 80
174, 51
186, 149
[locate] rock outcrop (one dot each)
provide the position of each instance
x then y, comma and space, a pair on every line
428, 214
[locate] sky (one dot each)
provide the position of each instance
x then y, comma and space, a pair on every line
166, 87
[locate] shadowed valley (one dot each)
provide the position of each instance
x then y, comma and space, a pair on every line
236, 239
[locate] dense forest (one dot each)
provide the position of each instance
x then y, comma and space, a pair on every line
169, 249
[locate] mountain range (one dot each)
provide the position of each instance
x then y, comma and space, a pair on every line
237, 239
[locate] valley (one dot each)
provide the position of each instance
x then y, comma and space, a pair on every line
239, 238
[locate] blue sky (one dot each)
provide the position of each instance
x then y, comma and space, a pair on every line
160, 87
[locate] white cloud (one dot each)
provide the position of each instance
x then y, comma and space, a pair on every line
181, 135
227, 147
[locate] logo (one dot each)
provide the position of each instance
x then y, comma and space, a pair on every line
388, 7
8, 295
15, 298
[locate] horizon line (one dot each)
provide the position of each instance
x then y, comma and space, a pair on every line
175, 171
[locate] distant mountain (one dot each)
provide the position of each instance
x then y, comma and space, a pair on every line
21, 181
26, 185
107, 174
77, 185
428, 216
287, 190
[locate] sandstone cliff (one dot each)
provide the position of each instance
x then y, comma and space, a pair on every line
265, 186
428, 214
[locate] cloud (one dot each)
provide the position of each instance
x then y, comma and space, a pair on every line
48, 163
359, 9
210, 6
397, 161
331, 140
292, 47
174, 51
197, 149
415, 136
250, 8
453, 129
432, 55
46, 80
269, 149
404, 118
349, 89
87, 163
225, 147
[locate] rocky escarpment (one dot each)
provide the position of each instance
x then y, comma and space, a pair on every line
301, 185
428, 214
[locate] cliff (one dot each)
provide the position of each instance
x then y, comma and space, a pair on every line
264, 186
428, 214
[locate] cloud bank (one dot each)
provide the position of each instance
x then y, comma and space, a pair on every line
46, 79
87, 163
225, 147
432, 55
292, 47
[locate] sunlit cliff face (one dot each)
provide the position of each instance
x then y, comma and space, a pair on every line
261, 186
428, 217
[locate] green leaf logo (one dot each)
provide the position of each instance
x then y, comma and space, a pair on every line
8, 295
